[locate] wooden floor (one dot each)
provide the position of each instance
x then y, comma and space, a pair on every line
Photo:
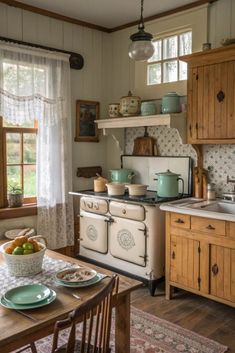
203, 316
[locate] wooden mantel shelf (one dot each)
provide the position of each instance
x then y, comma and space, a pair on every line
177, 121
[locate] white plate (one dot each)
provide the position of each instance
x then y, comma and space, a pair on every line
76, 275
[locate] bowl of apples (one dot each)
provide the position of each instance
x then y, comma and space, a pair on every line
24, 256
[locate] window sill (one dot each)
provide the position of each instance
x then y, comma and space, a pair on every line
23, 211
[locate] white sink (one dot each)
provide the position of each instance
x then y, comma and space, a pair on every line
220, 207
212, 206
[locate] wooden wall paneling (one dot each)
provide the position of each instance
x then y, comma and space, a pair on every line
78, 77
97, 41
56, 33
30, 27
14, 23
131, 67
125, 63
232, 19
67, 36
116, 65
89, 56
3, 20
212, 24
43, 30
223, 17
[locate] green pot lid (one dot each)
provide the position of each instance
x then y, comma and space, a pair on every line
168, 173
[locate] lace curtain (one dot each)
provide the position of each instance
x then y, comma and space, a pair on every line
35, 85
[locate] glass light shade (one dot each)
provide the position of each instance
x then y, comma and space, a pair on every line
141, 50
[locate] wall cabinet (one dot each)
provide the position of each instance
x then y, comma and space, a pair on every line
211, 92
200, 257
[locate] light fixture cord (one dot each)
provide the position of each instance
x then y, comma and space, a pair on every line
141, 23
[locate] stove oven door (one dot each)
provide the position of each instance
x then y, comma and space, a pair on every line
127, 240
94, 232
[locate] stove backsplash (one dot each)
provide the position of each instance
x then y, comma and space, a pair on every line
218, 159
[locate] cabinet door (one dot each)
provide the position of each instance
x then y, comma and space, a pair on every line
222, 272
215, 101
192, 104
184, 261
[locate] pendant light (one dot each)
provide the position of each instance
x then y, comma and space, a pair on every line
141, 48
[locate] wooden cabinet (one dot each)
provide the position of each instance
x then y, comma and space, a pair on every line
199, 259
211, 92
222, 272
184, 261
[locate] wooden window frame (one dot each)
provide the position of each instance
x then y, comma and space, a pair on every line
162, 61
3, 161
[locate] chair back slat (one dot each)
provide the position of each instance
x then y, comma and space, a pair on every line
95, 317
90, 331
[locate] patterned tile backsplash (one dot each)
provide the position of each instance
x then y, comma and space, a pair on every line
218, 159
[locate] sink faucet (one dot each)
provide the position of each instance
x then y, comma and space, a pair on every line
231, 181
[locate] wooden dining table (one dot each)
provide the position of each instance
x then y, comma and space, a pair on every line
17, 330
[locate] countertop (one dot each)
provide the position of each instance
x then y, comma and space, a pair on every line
185, 207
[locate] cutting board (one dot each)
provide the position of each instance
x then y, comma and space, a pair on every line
144, 146
145, 168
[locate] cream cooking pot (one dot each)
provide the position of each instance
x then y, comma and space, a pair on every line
168, 184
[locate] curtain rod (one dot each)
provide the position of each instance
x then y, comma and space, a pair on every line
76, 60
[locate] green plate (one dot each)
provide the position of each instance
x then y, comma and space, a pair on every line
27, 294
92, 281
44, 302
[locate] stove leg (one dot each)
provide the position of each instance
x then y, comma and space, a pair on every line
152, 284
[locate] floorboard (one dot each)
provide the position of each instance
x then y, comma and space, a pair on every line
203, 316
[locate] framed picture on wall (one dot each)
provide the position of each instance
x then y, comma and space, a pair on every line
86, 114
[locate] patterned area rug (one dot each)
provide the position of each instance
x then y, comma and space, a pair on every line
149, 334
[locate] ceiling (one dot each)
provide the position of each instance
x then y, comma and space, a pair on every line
106, 13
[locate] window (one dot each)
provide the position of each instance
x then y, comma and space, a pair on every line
164, 66
18, 159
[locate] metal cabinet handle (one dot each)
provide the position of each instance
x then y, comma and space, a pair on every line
179, 220
215, 269
89, 204
173, 255
220, 96
210, 227
123, 211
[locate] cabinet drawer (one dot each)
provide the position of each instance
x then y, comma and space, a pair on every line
180, 220
91, 204
208, 225
124, 210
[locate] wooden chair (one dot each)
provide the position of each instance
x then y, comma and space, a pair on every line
95, 317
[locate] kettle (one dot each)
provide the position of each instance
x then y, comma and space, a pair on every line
168, 184
100, 184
